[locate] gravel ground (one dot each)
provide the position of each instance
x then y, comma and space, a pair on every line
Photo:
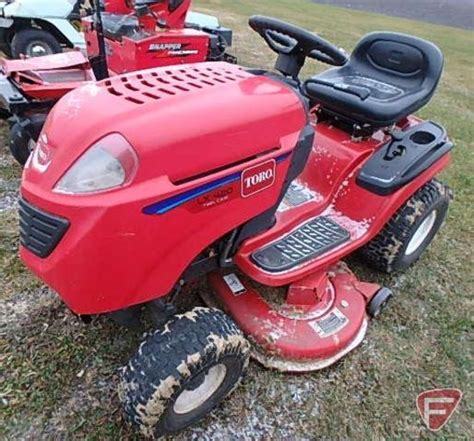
457, 13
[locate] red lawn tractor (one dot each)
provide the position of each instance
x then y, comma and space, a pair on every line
128, 36
260, 181
156, 33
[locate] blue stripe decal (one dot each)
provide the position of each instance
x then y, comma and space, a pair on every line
283, 157
175, 201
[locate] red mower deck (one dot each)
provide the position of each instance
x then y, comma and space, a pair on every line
322, 319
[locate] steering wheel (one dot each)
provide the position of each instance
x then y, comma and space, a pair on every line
286, 39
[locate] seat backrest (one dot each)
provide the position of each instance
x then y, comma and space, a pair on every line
385, 55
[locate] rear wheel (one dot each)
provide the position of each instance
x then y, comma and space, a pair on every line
34, 43
409, 232
181, 373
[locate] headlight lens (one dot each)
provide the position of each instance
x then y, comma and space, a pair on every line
108, 164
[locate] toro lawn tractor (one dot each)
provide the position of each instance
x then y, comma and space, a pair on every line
259, 180
127, 37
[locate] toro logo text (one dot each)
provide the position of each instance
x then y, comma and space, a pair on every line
258, 178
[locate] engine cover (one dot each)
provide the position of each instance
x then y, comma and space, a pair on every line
215, 145
183, 121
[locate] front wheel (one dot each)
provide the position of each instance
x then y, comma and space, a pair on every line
23, 137
182, 372
34, 43
411, 229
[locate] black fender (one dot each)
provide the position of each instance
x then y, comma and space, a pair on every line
404, 158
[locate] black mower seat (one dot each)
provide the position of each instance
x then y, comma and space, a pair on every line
117, 26
389, 76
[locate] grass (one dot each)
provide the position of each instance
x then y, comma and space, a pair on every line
57, 374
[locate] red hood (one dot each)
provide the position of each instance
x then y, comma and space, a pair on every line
165, 113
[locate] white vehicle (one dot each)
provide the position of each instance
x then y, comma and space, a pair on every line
40, 27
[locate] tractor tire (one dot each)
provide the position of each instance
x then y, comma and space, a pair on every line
34, 43
411, 229
183, 371
23, 137
5, 42
6, 50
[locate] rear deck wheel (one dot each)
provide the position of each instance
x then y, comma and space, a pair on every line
409, 232
379, 302
182, 372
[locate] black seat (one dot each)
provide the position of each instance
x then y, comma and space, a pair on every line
389, 76
117, 26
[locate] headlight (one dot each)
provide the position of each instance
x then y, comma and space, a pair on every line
108, 164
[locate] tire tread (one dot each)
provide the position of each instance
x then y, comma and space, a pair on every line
185, 342
385, 250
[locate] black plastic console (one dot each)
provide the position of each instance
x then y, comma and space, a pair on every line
408, 155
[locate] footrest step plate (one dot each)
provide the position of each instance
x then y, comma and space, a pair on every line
310, 240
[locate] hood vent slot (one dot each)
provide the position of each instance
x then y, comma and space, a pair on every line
153, 85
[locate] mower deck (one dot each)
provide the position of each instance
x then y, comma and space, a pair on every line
322, 318
284, 365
